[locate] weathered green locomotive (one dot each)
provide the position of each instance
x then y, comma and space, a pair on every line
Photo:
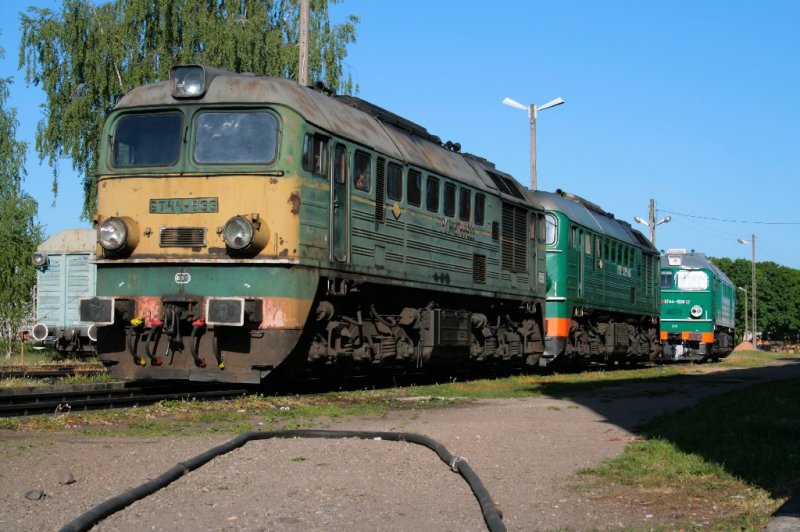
246, 223
697, 307
602, 293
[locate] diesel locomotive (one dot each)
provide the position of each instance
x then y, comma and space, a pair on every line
698, 302
602, 293
248, 223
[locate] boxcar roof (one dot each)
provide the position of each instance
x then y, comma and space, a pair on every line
348, 117
591, 216
691, 260
70, 241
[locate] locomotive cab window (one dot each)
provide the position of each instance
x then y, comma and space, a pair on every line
666, 279
432, 194
315, 155
340, 164
480, 209
464, 205
414, 188
236, 137
551, 229
449, 199
394, 182
363, 174
147, 140
691, 280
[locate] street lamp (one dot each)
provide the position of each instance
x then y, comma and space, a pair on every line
652, 223
752, 242
532, 111
744, 335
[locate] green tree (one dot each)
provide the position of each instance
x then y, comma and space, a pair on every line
88, 55
778, 296
19, 232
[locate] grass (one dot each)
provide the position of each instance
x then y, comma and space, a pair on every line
730, 460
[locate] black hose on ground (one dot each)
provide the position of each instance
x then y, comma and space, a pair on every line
491, 515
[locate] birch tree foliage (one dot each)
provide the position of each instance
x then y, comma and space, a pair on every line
89, 54
19, 232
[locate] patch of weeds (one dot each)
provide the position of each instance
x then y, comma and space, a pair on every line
553, 407
735, 453
298, 459
9, 423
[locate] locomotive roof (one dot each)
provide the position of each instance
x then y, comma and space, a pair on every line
691, 260
592, 216
70, 241
349, 117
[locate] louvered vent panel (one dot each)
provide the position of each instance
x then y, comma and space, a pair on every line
380, 190
514, 242
495, 231
183, 237
479, 269
633, 295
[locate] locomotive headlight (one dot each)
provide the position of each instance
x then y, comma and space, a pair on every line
245, 233
188, 81
696, 311
118, 234
237, 233
40, 260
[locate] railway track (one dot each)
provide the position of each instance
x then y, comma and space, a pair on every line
44, 371
49, 402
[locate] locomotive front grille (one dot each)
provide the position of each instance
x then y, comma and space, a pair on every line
183, 237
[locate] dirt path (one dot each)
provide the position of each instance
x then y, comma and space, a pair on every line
525, 452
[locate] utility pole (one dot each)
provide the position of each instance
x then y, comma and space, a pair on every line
651, 221
302, 75
753, 295
752, 243
746, 311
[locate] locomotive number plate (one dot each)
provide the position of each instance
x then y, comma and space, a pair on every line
183, 205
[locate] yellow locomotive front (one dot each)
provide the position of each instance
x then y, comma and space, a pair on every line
198, 220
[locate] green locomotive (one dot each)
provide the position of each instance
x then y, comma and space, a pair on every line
697, 307
246, 223
602, 285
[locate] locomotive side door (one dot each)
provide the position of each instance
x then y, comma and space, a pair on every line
339, 208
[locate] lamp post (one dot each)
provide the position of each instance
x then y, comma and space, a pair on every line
532, 111
744, 335
652, 223
752, 242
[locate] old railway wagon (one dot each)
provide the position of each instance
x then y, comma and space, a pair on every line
64, 274
697, 307
248, 222
602, 293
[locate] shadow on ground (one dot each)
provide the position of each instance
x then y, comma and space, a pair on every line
754, 434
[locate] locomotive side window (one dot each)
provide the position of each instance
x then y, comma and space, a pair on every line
147, 140
464, 205
432, 194
551, 230
394, 182
315, 159
480, 209
363, 174
236, 137
587, 244
449, 199
666, 279
340, 164
414, 188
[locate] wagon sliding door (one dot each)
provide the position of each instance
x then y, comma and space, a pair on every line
340, 198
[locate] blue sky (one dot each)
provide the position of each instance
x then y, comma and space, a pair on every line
693, 103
